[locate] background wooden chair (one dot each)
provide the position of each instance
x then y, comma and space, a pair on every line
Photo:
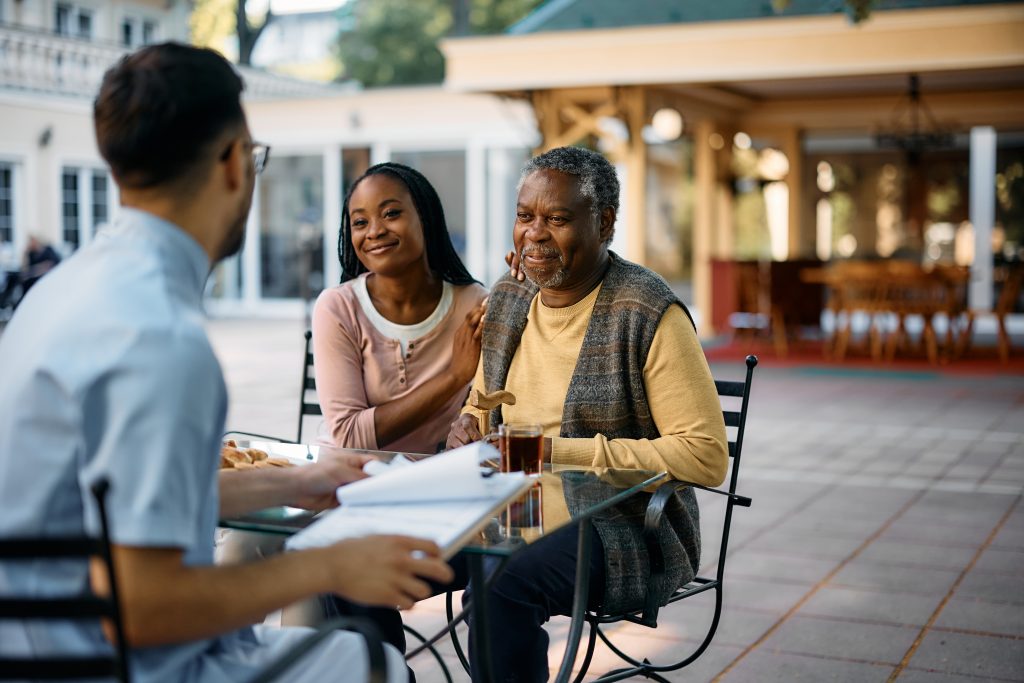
647, 616
1011, 278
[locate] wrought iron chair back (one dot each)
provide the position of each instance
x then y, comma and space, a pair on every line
113, 664
648, 615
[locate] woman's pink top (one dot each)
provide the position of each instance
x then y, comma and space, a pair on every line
358, 368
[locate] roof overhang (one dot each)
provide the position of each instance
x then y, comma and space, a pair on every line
732, 53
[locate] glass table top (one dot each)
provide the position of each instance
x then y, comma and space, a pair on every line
560, 495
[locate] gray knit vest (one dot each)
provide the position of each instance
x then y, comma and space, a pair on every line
606, 396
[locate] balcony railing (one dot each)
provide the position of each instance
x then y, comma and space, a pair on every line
35, 61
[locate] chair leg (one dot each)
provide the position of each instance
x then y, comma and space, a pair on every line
779, 336
1004, 340
964, 343
928, 339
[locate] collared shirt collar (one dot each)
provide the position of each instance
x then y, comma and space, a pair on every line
181, 248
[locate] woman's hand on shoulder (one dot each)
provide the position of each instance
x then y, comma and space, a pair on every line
512, 259
466, 345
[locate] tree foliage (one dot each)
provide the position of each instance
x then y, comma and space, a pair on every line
214, 22
395, 42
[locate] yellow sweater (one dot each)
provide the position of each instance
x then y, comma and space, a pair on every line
680, 391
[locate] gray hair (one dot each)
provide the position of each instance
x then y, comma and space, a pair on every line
597, 179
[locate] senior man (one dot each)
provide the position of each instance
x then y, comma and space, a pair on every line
107, 372
604, 356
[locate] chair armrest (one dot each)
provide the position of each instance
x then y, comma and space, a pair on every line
652, 521
375, 649
235, 432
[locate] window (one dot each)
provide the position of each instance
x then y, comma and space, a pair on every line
85, 204
148, 32
70, 228
84, 24
6, 204
100, 207
62, 22
70, 20
127, 32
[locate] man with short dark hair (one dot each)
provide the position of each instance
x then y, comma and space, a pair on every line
107, 372
601, 354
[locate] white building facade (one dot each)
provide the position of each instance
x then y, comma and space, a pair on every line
54, 184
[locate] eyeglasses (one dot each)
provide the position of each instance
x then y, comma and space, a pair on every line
260, 154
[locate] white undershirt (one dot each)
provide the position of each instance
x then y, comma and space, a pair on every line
403, 333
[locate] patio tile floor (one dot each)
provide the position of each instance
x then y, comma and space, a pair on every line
885, 541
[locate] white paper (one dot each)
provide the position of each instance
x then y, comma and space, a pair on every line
453, 475
444, 498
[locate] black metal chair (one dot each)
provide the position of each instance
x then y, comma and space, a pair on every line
648, 615
309, 406
114, 664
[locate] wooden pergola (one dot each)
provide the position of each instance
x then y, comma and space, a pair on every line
776, 79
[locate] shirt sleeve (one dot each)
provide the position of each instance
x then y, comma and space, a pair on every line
154, 424
685, 407
339, 380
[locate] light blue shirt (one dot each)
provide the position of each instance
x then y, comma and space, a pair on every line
106, 370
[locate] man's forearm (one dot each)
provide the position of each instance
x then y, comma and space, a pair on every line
242, 491
166, 602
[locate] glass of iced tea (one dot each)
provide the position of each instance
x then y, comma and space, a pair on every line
522, 447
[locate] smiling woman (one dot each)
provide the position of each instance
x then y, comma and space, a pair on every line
397, 342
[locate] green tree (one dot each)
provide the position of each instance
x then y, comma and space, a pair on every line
213, 22
395, 42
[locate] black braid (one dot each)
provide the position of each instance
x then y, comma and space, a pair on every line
442, 258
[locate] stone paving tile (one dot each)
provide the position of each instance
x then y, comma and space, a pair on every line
861, 574
822, 546
753, 564
1003, 561
884, 551
904, 530
878, 643
1011, 536
973, 655
877, 606
973, 614
763, 593
911, 675
992, 586
766, 667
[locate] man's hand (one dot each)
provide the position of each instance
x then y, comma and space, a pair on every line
388, 571
465, 430
309, 486
316, 483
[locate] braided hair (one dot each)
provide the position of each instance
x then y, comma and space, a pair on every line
442, 258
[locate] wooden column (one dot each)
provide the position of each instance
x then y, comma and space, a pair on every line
632, 102
792, 147
703, 223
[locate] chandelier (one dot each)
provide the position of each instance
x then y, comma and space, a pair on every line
913, 128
